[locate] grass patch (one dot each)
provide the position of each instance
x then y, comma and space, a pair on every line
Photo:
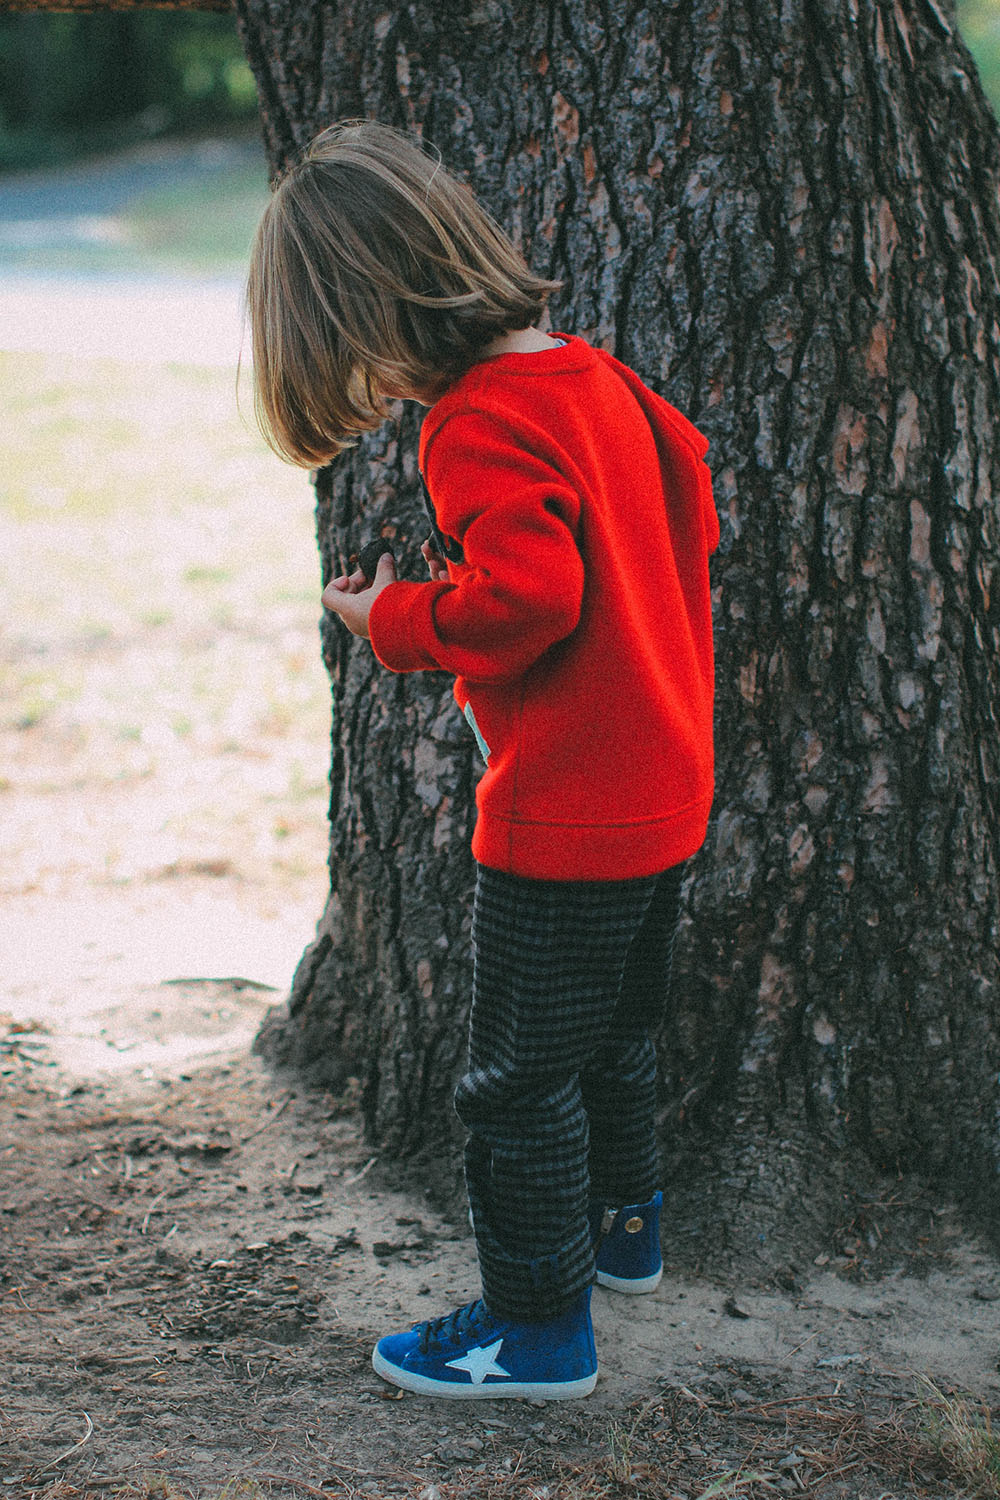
980, 23
207, 575
162, 586
206, 225
683, 1445
960, 1429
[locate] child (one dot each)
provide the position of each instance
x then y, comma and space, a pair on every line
569, 597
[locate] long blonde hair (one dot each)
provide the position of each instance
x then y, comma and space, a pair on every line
373, 273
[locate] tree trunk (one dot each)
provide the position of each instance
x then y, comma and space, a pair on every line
785, 218
81, 7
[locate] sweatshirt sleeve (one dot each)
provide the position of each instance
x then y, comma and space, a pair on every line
520, 587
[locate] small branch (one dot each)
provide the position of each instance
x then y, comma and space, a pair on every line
75, 1448
149, 1210
307, 1489
235, 981
261, 1128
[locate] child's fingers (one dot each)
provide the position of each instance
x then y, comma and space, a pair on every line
349, 583
436, 565
341, 588
334, 591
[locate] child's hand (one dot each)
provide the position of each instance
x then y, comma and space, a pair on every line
435, 562
352, 597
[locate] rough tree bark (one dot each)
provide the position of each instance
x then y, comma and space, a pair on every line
785, 218
82, 7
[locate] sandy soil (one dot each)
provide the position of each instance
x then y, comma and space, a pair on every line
196, 1261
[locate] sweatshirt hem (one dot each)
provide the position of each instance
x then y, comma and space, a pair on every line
560, 851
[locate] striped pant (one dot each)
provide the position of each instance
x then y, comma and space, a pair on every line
559, 1098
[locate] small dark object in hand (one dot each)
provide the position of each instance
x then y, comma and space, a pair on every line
367, 558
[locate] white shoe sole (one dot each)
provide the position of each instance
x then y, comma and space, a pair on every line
494, 1390
630, 1284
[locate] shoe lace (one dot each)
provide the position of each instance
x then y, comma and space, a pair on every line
454, 1327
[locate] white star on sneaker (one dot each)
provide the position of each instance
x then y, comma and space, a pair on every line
480, 1363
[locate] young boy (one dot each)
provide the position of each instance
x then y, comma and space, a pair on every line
569, 597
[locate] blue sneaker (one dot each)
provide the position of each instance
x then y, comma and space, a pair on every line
473, 1353
627, 1245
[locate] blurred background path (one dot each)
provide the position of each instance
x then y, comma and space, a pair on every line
138, 256
164, 713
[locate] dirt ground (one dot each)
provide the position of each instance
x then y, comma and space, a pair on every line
195, 1259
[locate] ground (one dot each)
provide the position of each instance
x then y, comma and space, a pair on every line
196, 1256
197, 1259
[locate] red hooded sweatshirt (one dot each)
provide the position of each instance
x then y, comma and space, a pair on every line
577, 515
